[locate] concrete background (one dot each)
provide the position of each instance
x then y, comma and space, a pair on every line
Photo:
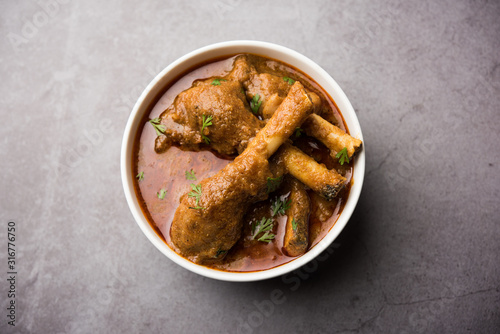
420, 254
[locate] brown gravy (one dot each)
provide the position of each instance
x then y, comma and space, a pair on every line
167, 171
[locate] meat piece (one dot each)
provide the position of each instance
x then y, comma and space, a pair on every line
227, 105
208, 229
206, 226
242, 70
330, 135
228, 109
296, 238
272, 89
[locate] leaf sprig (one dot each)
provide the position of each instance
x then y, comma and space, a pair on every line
280, 206
161, 194
140, 176
216, 82
267, 237
289, 80
298, 132
264, 226
196, 193
273, 183
342, 156
160, 128
190, 175
207, 121
255, 103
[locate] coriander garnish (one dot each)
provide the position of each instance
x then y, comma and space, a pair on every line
255, 103
207, 121
280, 206
289, 80
273, 183
298, 132
343, 156
216, 82
196, 193
162, 193
294, 224
160, 128
267, 237
264, 226
140, 176
190, 175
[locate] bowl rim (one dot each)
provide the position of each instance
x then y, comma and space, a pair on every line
171, 72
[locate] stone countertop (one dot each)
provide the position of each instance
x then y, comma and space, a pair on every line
420, 254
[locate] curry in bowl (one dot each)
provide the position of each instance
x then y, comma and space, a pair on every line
243, 164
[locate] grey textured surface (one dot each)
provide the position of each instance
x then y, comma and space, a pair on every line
421, 253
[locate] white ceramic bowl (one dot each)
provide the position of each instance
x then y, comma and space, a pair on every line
214, 51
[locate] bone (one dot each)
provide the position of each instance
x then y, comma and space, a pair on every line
330, 135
